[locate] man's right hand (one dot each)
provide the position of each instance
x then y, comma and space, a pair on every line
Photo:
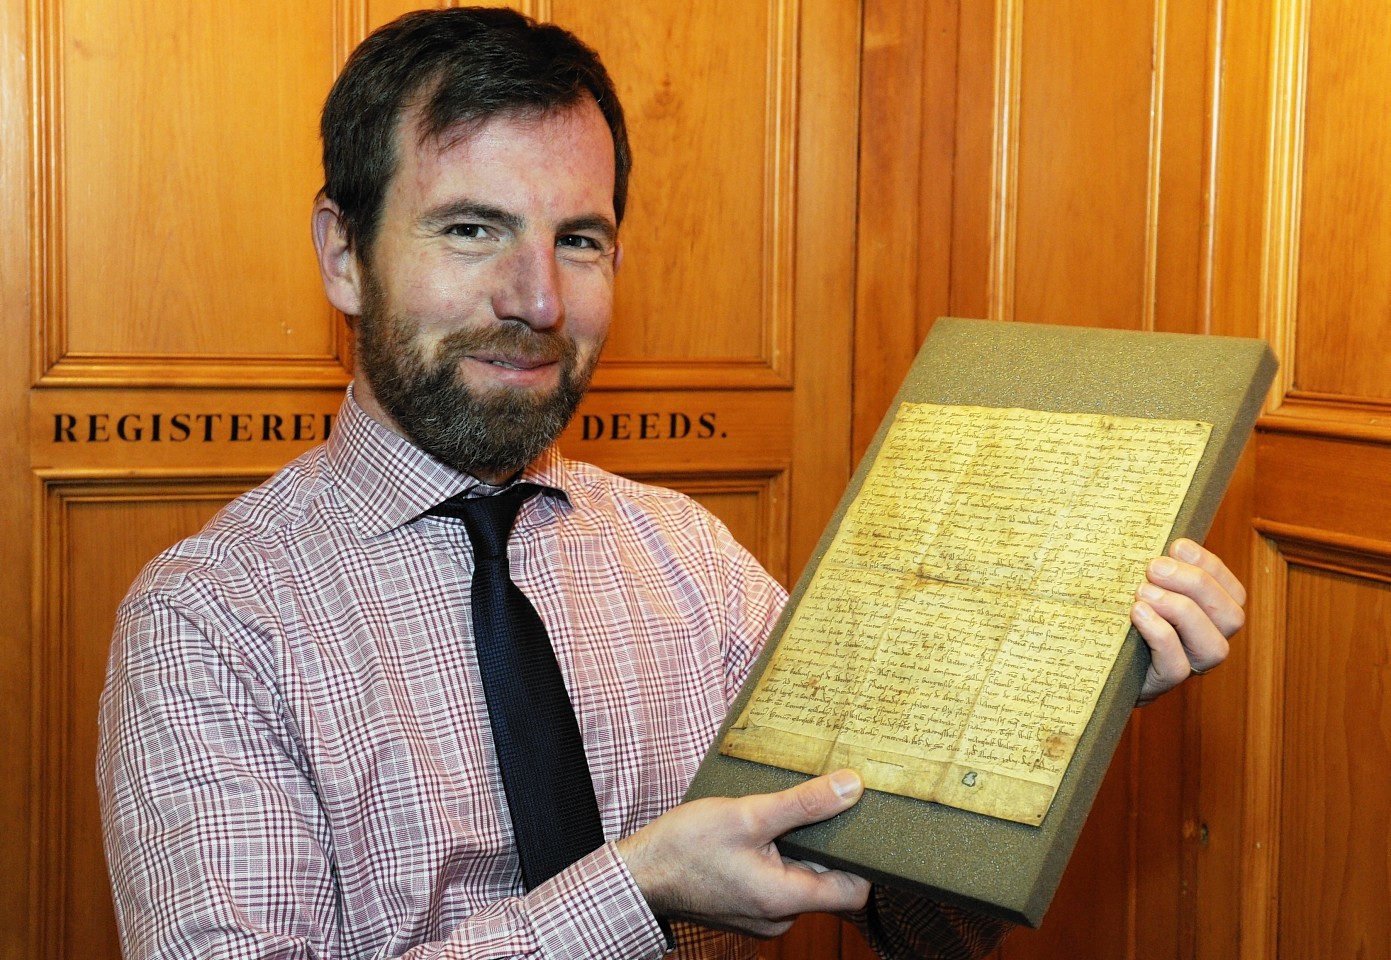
713, 861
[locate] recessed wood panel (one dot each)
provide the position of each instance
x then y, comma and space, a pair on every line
1335, 855
1323, 483
1080, 240
179, 176
97, 537
1343, 339
707, 91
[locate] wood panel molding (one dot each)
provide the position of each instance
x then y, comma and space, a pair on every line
1279, 548
54, 713
1008, 135
49, 338
1265, 699
1362, 557
1153, 171
53, 362
154, 370
1004, 197
693, 373
1333, 417
1284, 187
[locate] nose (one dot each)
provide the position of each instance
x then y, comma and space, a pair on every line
529, 287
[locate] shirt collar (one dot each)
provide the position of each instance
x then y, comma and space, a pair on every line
387, 481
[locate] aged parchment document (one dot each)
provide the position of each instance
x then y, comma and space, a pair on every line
954, 639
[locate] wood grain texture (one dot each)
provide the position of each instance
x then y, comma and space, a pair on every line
1299, 169
889, 254
827, 167
17, 534
1343, 342
200, 197
1324, 483
1334, 850
1080, 226
709, 96
1179, 214
1231, 705
972, 184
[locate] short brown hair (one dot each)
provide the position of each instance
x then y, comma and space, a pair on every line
463, 65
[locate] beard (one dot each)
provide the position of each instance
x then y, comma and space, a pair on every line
493, 433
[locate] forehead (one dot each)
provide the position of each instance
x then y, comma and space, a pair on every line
560, 157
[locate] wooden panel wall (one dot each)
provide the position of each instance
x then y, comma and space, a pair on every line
1204, 167
1041, 159
1317, 862
1185, 165
167, 272
172, 345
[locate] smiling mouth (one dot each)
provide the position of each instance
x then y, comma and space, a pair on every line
515, 364
511, 353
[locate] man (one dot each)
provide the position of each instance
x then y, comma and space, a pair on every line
297, 754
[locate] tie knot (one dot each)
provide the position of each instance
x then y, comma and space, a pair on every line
489, 520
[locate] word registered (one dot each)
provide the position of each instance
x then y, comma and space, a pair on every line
191, 427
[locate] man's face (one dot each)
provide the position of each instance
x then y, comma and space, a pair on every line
488, 290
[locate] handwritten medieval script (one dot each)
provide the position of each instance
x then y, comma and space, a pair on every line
953, 641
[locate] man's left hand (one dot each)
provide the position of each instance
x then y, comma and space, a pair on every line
1187, 608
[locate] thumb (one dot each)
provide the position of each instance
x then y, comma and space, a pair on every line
813, 801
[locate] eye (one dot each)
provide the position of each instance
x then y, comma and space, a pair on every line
576, 246
467, 231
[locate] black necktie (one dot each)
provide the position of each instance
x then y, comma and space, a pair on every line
544, 772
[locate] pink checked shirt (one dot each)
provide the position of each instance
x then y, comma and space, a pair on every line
295, 758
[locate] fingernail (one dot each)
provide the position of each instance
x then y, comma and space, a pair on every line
1150, 592
1186, 550
1164, 566
1143, 612
846, 783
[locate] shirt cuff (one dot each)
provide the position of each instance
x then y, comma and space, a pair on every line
595, 909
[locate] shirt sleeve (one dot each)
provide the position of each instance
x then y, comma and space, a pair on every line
752, 601
218, 846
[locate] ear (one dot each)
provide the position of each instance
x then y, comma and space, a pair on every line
617, 255
338, 264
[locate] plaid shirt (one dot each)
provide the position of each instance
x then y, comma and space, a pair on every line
295, 758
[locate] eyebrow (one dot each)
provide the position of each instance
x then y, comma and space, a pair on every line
473, 210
